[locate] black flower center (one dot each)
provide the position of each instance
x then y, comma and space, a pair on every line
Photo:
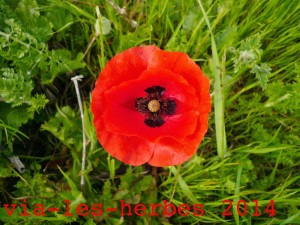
155, 106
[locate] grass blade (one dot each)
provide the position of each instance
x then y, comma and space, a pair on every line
218, 93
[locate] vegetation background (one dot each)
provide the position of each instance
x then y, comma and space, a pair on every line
248, 48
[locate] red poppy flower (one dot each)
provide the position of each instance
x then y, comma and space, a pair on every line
152, 106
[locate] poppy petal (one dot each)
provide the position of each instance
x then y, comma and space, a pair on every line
180, 63
131, 150
124, 66
123, 118
170, 151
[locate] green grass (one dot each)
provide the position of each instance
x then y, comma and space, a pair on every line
250, 51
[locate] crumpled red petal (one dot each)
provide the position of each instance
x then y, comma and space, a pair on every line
130, 150
172, 152
122, 67
180, 63
123, 118
137, 151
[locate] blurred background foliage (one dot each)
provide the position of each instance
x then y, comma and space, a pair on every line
44, 43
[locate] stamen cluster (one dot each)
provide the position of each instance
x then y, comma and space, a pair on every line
155, 106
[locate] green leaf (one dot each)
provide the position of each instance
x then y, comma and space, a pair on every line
102, 26
107, 195
252, 42
42, 29
61, 62
37, 103
6, 13
5, 171
29, 16
15, 87
143, 184
14, 116
262, 73
72, 185
60, 17
27, 9
248, 54
14, 217
66, 126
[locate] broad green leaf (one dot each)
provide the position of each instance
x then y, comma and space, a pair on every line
102, 26
14, 116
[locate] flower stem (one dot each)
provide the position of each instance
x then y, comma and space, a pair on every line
218, 93
75, 79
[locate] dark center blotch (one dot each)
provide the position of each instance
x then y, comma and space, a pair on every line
155, 89
155, 106
154, 122
170, 107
